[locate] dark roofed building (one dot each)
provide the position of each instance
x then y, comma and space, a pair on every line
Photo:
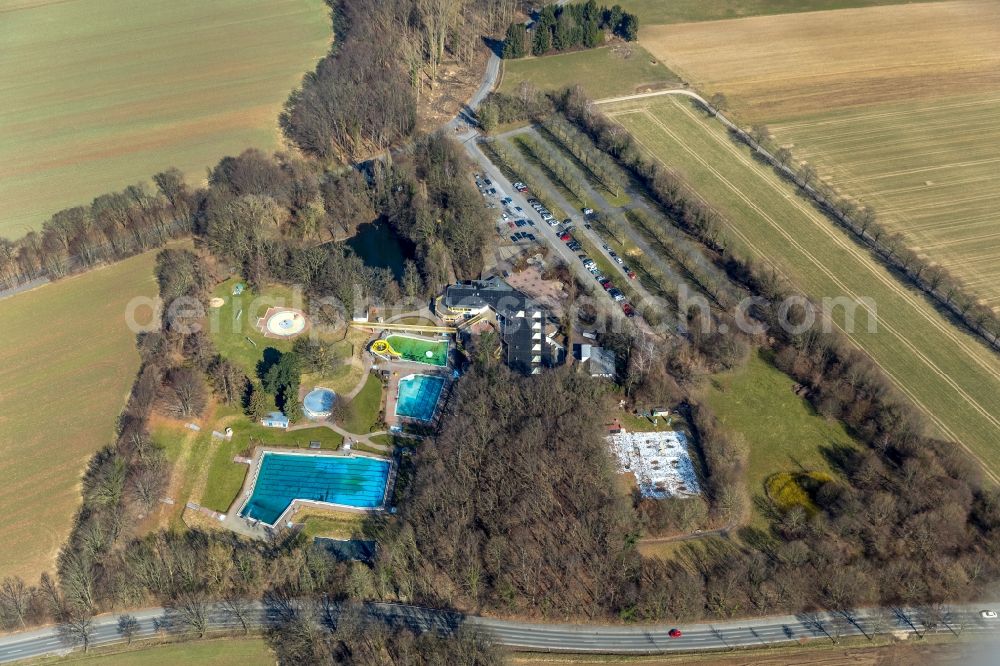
523, 323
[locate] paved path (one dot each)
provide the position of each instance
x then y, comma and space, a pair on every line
346, 434
579, 638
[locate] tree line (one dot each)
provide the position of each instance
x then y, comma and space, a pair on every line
113, 227
569, 26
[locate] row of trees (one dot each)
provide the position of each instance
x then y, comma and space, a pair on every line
581, 147
562, 27
863, 222
114, 226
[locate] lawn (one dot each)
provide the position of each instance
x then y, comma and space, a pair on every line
330, 523
947, 373
67, 361
218, 652
233, 326
100, 94
784, 432
681, 11
363, 411
603, 72
929, 170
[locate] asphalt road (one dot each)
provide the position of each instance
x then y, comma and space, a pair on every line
580, 638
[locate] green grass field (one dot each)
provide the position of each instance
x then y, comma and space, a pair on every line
653, 12
67, 362
784, 432
947, 373
603, 72
234, 325
929, 170
364, 408
218, 652
100, 94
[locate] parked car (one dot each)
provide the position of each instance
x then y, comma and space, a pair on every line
617, 295
518, 209
564, 236
618, 259
575, 246
488, 181
530, 237
631, 275
606, 248
607, 284
628, 309
988, 614
506, 200
514, 238
587, 225
567, 220
588, 211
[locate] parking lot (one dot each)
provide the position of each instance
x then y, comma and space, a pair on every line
523, 219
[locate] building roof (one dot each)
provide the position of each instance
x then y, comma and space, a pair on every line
602, 362
522, 320
276, 417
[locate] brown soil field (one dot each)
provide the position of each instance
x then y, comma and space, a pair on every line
777, 67
929, 170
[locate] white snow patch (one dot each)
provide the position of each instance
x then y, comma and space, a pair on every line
660, 461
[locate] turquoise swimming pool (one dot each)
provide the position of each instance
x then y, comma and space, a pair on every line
418, 396
354, 481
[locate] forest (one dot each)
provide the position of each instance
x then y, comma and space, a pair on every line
569, 26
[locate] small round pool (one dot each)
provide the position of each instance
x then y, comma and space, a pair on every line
286, 323
318, 403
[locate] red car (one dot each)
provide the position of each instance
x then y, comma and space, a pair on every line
631, 275
674, 633
628, 309
565, 237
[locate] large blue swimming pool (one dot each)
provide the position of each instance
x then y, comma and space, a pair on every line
353, 481
418, 396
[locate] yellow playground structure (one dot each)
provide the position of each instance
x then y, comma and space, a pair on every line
384, 348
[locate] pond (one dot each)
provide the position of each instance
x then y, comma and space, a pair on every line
379, 246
